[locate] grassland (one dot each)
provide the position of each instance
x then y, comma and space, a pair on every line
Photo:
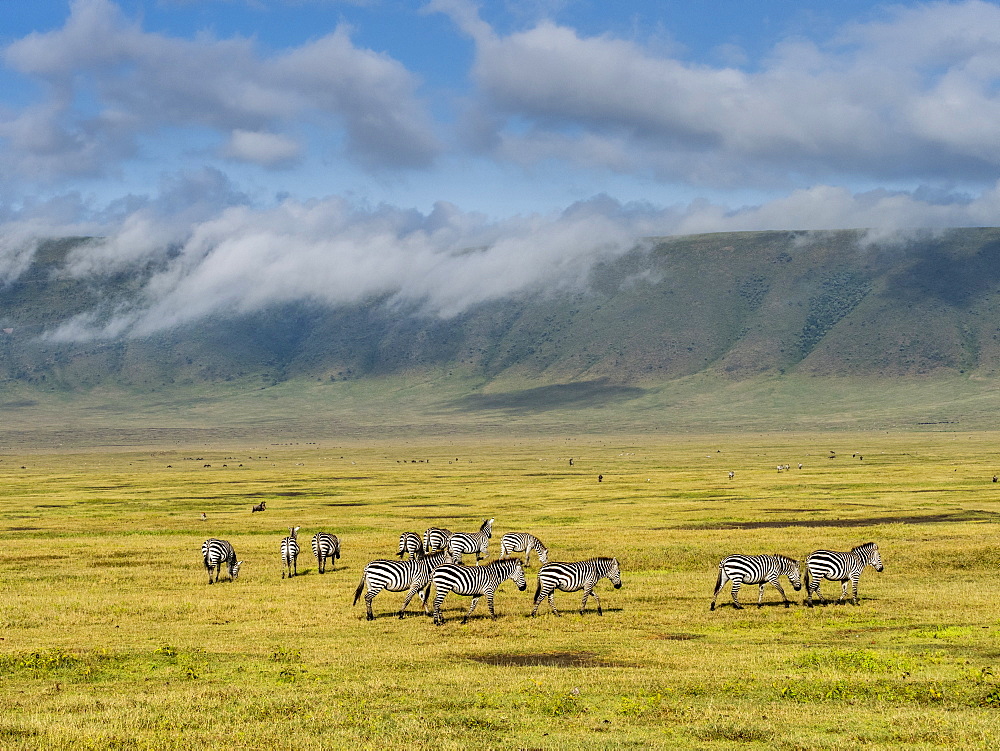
110, 636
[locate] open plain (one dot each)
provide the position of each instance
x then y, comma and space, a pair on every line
112, 637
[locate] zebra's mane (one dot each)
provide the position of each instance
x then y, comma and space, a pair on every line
866, 546
785, 558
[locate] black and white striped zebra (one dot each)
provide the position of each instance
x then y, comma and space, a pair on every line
574, 576
290, 553
461, 543
436, 538
756, 569
474, 582
842, 567
325, 545
217, 552
522, 542
412, 576
410, 543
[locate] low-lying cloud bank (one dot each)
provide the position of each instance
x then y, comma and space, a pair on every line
220, 256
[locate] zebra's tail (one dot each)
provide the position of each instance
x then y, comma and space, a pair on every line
538, 590
359, 590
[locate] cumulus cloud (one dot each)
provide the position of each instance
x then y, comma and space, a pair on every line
914, 95
108, 83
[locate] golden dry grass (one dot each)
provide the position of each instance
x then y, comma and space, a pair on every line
111, 637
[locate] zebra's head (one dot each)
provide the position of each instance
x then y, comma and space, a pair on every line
518, 575
543, 554
792, 569
871, 557
293, 531
615, 573
487, 527
234, 569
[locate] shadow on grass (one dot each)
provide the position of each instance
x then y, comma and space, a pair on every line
597, 393
959, 516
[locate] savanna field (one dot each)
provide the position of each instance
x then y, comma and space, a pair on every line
112, 637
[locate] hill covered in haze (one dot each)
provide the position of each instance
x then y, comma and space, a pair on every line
737, 305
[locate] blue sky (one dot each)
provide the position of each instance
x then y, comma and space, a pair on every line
409, 130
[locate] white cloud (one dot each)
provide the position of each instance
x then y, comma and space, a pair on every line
912, 96
108, 83
265, 149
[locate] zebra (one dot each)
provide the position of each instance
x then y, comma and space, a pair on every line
574, 576
475, 581
325, 545
290, 553
410, 576
756, 569
461, 543
215, 553
436, 538
522, 542
826, 564
410, 542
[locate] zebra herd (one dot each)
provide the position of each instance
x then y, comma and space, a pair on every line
435, 560
819, 565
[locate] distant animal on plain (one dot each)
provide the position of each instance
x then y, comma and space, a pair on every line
290, 553
259, 507
325, 545
756, 569
573, 577
217, 552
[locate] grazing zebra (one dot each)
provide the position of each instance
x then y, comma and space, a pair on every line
216, 552
522, 542
259, 507
410, 542
474, 582
756, 569
290, 553
572, 577
470, 542
411, 576
436, 538
826, 564
325, 546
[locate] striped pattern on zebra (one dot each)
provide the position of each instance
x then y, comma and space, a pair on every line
410, 542
411, 576
436, 538
474, 582
215, 553
522, 542
290, 553
461, 543
325, 545
842, 567
756, 569
574, 576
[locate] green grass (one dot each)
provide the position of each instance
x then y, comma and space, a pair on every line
111, 637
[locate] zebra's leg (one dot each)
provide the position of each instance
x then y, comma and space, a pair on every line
552, 602
778, 587
438, 599
854, 584
596, 597
542, 595
736, 593
843, 593
409, 596
489, 604
760, 596
475, 601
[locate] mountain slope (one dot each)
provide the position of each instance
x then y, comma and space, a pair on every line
737, 304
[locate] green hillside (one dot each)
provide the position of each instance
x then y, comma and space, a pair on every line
752, 324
